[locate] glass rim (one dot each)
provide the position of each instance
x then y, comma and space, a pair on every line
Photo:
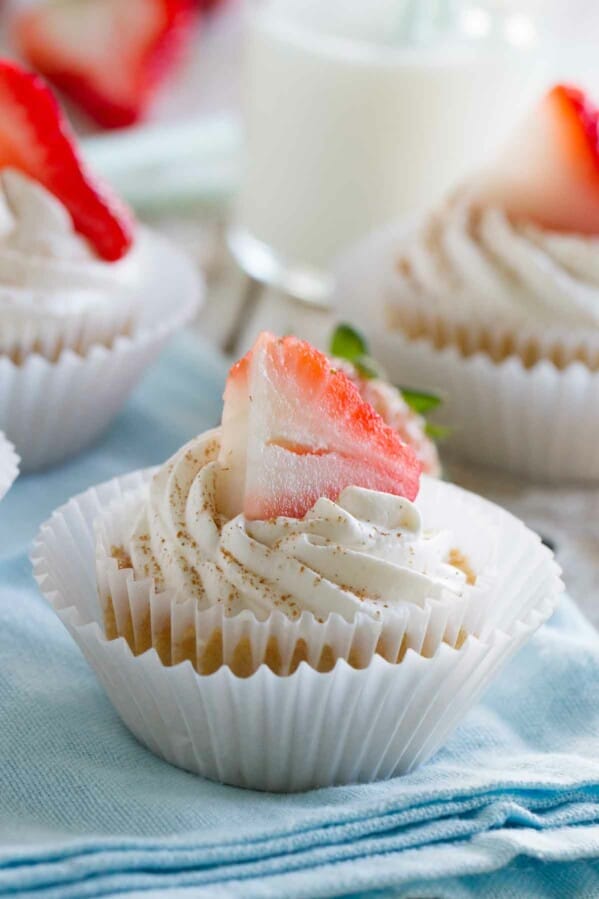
441, 51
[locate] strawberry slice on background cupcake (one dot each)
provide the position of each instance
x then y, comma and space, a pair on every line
548, 172
109, 56
36, 139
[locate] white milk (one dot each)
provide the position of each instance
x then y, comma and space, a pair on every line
345, 134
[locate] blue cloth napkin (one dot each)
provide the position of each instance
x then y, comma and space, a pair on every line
510, 807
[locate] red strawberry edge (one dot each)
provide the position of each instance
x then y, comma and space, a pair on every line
39, 141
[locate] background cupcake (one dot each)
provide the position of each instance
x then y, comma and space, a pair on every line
494, 298
87, 296
292, 563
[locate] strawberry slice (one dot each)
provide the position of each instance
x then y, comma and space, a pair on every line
109, 56
549, 171
36, 139
295, 429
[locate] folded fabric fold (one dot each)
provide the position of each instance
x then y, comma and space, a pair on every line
86, 811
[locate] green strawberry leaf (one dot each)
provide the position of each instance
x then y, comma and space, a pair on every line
419, 401
347, 343
367, 367
437, 432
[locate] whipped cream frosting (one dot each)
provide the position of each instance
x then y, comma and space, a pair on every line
367, 552
471, 261
46, 268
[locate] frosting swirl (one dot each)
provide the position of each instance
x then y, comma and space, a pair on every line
468, 261
366, 552
47, 270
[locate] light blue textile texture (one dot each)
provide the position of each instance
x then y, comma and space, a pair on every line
510, 807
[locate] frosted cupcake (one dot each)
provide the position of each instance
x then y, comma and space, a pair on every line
287, 603
87, 296
494, 297
9, 465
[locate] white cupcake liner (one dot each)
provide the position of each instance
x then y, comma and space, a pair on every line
480, 334
52, 410
49, 335
265, 731
9, 465
540, 421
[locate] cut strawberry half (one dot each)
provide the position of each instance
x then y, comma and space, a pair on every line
549, 171
36, 139
107, 55
295, 429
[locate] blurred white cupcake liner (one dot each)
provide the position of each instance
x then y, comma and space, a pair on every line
51, 410
48, 335
306, 729
9, 465
541, 421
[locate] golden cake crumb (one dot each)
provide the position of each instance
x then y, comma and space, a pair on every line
122, 557
459, 560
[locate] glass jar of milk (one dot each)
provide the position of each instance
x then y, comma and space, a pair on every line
359, 112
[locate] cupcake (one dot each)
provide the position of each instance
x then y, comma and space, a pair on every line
494, 297
9, 465
81, 283
289, 583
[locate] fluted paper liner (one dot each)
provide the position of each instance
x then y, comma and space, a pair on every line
52, 410
49, 335
9, 465
309, 728
540, 420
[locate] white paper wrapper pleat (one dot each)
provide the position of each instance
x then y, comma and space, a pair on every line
540, 421
49, 335
9, 465
275, 732
51, 410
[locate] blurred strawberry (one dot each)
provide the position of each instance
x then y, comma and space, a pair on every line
35, 138
109, 56
548, 172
